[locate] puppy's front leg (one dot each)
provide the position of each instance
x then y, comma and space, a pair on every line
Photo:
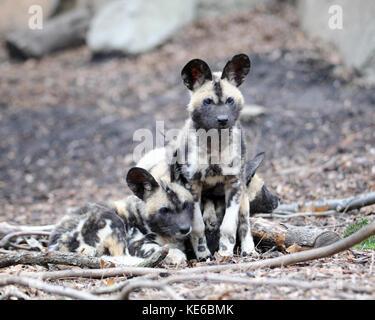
197, 236
228, 228
244, 230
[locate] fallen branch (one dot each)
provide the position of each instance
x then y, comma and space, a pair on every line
94, 273
54, 257
73, 259
53, 289
339, 205
270, 234
6, 228
288, 215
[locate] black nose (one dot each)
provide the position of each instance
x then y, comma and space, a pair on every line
222, 119
185, 229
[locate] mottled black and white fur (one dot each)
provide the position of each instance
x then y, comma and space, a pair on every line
129, 230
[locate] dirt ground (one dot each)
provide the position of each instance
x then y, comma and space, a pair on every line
67, 124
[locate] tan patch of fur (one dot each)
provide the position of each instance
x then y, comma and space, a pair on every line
115, 247
255, 186
157, 200
122, 204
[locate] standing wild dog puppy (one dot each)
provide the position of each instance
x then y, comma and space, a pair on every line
130, 230
214, 108
213, 203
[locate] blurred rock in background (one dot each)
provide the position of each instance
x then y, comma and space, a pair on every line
136, 26
355, 41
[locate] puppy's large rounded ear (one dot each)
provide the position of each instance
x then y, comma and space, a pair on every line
236, 70
253, 165
141, 182
195, 73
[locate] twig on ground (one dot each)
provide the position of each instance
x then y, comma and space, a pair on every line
141, 284
13, 292
282, 215
5, 242
339, 205
120, 285
6, 228
94, 273
38, 284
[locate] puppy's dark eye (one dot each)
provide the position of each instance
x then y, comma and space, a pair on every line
230, 101
207, 101
186, 205
163, 210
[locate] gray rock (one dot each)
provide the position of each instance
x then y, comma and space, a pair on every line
57, 7
355, 41
136, 26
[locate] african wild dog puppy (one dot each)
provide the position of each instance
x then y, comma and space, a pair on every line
126, 231
214, 107
213, 203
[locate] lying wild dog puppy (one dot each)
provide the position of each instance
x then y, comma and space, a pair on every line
129, 230
212, 202
214, 109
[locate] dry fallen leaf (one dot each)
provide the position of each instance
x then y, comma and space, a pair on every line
293, 248
110, 282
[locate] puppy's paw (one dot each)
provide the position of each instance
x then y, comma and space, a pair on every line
203, 254
224, 251
253, 253
226, 246
248, 248
175, 257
